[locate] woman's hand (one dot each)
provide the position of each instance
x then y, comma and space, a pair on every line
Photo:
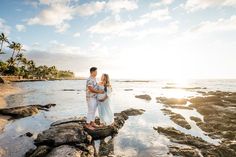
101, 100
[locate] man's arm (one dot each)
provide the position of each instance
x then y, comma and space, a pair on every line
91, 89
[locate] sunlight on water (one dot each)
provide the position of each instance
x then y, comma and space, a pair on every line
137, 136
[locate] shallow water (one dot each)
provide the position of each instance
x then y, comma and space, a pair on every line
136, 138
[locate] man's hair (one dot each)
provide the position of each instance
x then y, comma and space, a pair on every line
93, 69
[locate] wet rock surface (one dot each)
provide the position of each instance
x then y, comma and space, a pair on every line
196, 119
177, 118
145, 97
197, 146
218, 109
179, 103
71, 138
71, 151
128, 89
24, 111
184, 88
171, 101
184, 151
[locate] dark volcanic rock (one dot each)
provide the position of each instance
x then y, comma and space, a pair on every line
24, 111
206, 149
133, 112
211, 98
106, 148
103, 132
71, 138
128, 89
183, 151
219, 113
40, 151
172, 101
28, 134
177, 118
71, 151
179, 137
145, 97
69, 133
184, 88
69, 90
196, 119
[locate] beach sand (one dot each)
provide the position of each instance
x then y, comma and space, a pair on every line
6, 90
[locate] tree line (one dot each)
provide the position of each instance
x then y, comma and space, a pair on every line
19, 65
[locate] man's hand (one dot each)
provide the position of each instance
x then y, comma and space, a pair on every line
100, 91
91, 89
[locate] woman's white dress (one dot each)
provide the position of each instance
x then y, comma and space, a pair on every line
105, 112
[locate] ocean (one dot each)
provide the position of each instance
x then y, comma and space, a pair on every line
136, 138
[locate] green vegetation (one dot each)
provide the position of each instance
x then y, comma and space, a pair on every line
19, 65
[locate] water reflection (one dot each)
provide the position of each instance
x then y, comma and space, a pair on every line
136, 138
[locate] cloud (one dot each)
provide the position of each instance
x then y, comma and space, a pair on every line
20, 28
56, 47
115, 25
219, 25
4, 27
117, 5
91, 8
193, 5
62, 27
32, 3
56, 15
161, 3
161, 15
166, 31
59, 12
77, 34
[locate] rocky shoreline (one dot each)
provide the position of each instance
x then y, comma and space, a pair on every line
218, 109
70, 138
194, 146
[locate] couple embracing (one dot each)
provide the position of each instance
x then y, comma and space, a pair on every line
98, 97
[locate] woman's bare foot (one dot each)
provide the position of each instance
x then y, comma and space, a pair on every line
102, 125
93, 124
90, 127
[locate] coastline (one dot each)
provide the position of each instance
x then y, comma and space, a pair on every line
6, 90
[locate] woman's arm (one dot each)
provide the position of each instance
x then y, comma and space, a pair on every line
101, 100
108, 94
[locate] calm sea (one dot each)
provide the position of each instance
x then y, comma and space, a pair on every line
136, 138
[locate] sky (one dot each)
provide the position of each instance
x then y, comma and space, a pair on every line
135, 39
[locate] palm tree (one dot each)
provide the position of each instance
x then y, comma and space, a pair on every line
3, 38
19, 49
19, 58
31, 67
14, 46
24, 61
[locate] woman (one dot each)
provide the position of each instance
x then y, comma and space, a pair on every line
104, 109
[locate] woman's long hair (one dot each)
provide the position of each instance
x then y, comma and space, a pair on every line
107, 83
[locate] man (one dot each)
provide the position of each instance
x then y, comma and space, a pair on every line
91, 97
